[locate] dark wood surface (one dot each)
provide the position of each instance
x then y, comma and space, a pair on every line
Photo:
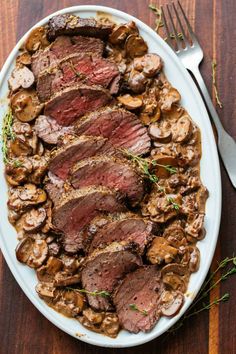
23, 329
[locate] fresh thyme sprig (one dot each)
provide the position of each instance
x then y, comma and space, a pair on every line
144, 164
102, 293
213, 67
77, 73
134, 307
158, 13
208, 285
7, 134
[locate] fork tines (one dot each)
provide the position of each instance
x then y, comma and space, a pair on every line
180, 38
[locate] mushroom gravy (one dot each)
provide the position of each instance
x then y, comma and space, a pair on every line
174, 197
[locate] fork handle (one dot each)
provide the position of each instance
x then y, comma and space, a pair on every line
226, 144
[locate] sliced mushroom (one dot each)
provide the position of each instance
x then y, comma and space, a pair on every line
65, 279
32, 253
20, 128
37, 39
93, 317
18, 171
25, 196
175, 276
182, 130
175, 234
54, 249
34, 219
161, 161
39, 254
48, 225
201, 198
24, 58
24, 249
40, 164
194, 225
46, 291
135, 46
100, 322
149, 64
168, 98
21, 77
25, 105
137, 81
20, 147
194, 260
160, 135
130, 102
172, 301
70, 303
119, 34
71, 264
161, 251
47, 272
110, 325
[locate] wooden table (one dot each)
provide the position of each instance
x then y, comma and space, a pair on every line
23, 329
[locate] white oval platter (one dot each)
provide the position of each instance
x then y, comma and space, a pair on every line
210, 175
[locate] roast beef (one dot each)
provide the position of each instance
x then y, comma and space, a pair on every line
104, 268
77, 69
122, 128
137, 299
77, 208
63, 47
126, 227
49, 130
75, 101
109, 171
71, 25
75, 150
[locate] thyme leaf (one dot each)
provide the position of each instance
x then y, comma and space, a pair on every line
213, 67
159, 22
102, 293
208, 285
7, 134
171, 201
144, 164
76, 72
134, 307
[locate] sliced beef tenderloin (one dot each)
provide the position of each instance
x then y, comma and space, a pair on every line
49, 130
128, 227
75, 150
122, 128
141, 299
109, 171
71, 25
104, 268
137, 299
54, 187
79, 68
77, 208
63, 47
75, 101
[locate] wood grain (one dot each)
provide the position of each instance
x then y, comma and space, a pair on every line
23, 329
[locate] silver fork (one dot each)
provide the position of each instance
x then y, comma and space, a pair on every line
191, 56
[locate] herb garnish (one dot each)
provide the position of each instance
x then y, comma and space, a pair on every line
7, 134
134, 307
208, 285
144, 164
77, 73
172, 36
158, 13
214, 66
102, 293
